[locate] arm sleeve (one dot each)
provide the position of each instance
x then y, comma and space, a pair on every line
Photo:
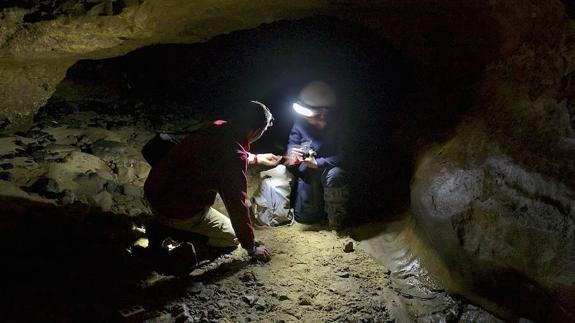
294, 138
233, 190
331, 161
337, 158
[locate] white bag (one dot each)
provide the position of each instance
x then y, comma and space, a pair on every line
270, 203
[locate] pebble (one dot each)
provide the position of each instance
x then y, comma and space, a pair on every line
304, 300
342, 274
261, 305
249, 299
348, 247
248, 276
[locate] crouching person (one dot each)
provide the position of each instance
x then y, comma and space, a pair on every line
182, 186
314, 146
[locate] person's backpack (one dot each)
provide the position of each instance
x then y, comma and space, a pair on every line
159, 146
271, 201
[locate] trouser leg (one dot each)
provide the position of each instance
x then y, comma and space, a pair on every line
210, 223
336, 195
308, 206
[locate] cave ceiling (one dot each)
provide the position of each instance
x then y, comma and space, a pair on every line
41, 39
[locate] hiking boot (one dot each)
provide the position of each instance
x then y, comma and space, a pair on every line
179, 258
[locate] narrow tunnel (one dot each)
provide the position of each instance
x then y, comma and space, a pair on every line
457, 125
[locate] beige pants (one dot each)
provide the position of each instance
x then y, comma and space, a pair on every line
210, 223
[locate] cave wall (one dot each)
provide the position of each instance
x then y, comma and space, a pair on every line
497, 199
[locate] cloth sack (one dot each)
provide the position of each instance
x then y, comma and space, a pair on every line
271, 201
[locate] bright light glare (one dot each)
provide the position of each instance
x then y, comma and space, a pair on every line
306, 112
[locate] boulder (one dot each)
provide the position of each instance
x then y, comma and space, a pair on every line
81, 173
504, 231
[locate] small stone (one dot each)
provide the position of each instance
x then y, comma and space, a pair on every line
68, 197
249, 299
348, 247
261, 305
283, 297
342, 274
304, 300
248, 276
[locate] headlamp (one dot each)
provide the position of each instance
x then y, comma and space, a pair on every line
304, 111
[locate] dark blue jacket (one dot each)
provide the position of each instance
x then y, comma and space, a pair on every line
326, 143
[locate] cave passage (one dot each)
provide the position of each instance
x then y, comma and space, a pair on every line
72, 184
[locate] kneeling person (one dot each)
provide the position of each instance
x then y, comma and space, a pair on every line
315, 148
182, 186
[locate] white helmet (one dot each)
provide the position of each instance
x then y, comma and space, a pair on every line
313, 96
317, 94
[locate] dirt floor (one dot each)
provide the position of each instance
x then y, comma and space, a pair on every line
315, 275
312, 278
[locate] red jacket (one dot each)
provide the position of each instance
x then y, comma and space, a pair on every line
209, 161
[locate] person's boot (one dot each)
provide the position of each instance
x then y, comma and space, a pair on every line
335, 199
179, 257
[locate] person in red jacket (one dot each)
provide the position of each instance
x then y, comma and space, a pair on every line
182, 186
